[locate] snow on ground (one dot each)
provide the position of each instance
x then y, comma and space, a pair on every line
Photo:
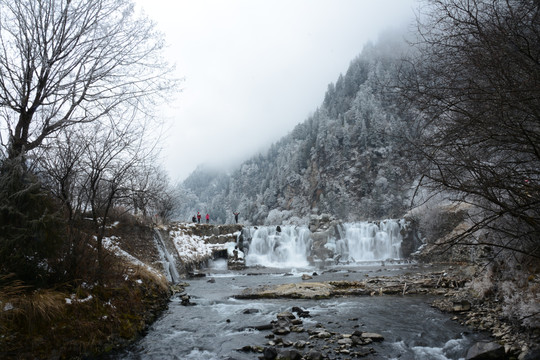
190, 248
111, 244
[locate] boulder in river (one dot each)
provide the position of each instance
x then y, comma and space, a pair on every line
483, 350
372, 336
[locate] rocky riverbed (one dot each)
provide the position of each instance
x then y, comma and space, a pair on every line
452, 294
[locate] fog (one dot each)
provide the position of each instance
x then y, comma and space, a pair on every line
253, 69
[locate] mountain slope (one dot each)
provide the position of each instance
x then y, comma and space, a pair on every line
347, 159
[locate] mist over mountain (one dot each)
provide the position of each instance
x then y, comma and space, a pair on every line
347, 159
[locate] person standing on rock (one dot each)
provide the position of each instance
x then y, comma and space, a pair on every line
198, 217
207, 218
236, 216
194, 219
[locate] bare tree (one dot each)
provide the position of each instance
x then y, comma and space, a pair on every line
477, 83
64, 62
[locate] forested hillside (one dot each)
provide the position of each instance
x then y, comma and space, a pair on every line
347, 159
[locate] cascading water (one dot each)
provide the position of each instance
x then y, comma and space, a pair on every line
286, 246
353, 242
169, 264
367, 241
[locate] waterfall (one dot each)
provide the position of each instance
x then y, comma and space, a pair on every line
368, 241
169, 264
351, 242
285, 246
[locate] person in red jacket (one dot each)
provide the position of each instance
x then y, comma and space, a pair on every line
207, 218
198, 217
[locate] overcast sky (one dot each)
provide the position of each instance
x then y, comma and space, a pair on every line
253, 69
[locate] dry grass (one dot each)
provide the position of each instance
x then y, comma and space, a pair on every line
26, 308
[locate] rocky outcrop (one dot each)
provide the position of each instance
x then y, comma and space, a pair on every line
486, 351
235, 259
438, 282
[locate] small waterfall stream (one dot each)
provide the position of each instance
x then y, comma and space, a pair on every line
168, 261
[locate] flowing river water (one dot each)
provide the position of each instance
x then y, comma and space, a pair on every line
218, 325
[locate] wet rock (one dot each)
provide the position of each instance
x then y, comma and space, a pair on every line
323, 334
250, 348
485, 351
282, 330
313, 355
364, 352
263, 327
250, 311
185, 300
533, 354
373, 336
281, 327
346, 341
300, 312
285, 315
289, 354
269, 353
297, 329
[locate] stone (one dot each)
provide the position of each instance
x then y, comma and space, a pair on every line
269, 353
250, 311
483, 350
372, 336
282, 331
346, 341
324, 335
460, 306
313, 355
289, 354
286, 315
531, 354
300, 312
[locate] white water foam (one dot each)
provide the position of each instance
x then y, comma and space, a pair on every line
448, 351
367, 241
280, 249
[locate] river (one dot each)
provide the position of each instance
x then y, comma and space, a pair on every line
218, 325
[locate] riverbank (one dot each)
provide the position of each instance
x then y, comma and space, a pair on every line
85, 318
80, 322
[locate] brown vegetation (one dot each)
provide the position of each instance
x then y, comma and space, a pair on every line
81, 318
